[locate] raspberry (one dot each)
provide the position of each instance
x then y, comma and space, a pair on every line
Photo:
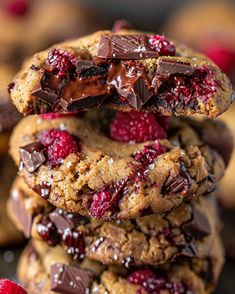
17, 7
223, 57
149, 153
148, 280
154, 284
162, 45
61, 62
59, 144
135, 126
102, 202
9, 287
74, 243
50, 116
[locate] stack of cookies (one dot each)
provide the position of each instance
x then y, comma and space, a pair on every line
116, 178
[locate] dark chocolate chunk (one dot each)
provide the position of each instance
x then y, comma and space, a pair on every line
44, 189
23, 217
121, 24
32, 156
199, 225
125, 47
177, 184
131, 82
48, 232
189, 250
48, 89
167, 67
65, 220
67, 279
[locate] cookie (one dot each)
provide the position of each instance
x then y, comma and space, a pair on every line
125, 71
186, 231
26, 32
9, 116
213, 34
8, 231
74, 164
227, 185
43, 269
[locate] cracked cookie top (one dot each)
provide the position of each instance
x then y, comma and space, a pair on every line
75, 163
187, 230
43, 269
125, 70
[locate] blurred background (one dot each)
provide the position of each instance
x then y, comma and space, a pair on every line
27, 26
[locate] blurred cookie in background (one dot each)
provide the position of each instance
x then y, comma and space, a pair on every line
8, 118
27, 26
227, 184
208, 26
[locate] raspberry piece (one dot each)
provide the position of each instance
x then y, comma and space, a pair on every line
9, 287
50, 116
17, 7
223, 57
162, 45
150, 152
154, 284
74, 243
48, 232
135, 126
59, 144
102, 203
61, 62
148, 280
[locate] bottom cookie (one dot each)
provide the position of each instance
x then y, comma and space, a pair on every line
43, 269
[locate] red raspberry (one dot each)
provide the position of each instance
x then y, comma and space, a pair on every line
148, 280
59, 144
135, 126
162, 45
149, 153
9, 287
17, 7
154, 284
223, 57
50, 116
61, 62
102, 203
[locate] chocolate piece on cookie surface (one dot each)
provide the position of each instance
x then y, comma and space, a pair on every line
124, 71
155, 239
36, 269
90, 171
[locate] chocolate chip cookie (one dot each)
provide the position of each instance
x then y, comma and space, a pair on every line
9, 116
79, 164
188, 230
43, 269
125, 71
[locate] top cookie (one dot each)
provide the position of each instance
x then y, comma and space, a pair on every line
125, 70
